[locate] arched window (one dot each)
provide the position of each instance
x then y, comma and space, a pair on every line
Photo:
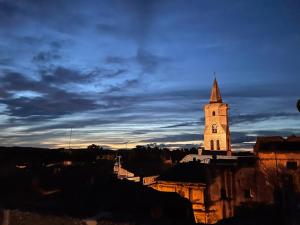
218, 145
211, 145
214, 128
213, 113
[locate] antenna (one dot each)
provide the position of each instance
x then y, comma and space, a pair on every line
70, 137
126, 144
119, 160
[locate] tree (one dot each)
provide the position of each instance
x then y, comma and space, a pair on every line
94, 147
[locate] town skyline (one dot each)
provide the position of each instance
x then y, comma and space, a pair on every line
140, 72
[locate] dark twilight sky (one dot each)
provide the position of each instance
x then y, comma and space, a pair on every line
140, 71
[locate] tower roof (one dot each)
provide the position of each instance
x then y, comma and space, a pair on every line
215, 96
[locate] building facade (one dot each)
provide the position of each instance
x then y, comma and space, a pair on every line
218, 182
278, 160
214, 190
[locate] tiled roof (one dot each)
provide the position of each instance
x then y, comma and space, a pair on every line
215, 96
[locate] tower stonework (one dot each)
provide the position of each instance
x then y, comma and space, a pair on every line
216, 131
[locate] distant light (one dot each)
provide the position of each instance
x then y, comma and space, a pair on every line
21, 166
67, 163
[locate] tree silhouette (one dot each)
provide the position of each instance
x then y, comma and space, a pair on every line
94, 147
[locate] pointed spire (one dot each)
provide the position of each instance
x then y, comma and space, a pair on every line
215, 96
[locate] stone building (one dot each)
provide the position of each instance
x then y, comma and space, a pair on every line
278, 152
207, 179
217, 189
279, 163
212, 188
217, 182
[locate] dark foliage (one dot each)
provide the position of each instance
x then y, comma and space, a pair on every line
146, 161
45, 184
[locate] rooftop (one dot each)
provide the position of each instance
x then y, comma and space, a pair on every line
277, 143
215, 96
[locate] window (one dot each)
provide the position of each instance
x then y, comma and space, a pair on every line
214, 128
248, 193
191, 194
211, 145
291, 165
181, 193
213, 113
218, 145
223, 193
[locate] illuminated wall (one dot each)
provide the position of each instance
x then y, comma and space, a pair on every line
216, 131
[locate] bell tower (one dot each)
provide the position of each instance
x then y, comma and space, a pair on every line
216, 131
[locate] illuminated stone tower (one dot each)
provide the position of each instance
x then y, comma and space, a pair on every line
216, 131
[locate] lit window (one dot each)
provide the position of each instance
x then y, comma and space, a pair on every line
214, 128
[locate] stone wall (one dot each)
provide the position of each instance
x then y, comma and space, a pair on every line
194, 192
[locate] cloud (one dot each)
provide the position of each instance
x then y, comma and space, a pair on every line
123, 87
115, 73
14, 81
45, 56
108, 28
276, 132
51, 53
56, 15
6, 61
183, 137
252, 118
109, 99
52, 104
241, 137
30, 40
250, 136
148, 62
49, 100
83, 122
185, 124
61, 75
52, 101
136, 21
115, 59
9, 13
58, 44
58, 73
237, 137
142, 17
265, 90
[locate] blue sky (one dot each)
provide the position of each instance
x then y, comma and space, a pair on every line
140, 71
